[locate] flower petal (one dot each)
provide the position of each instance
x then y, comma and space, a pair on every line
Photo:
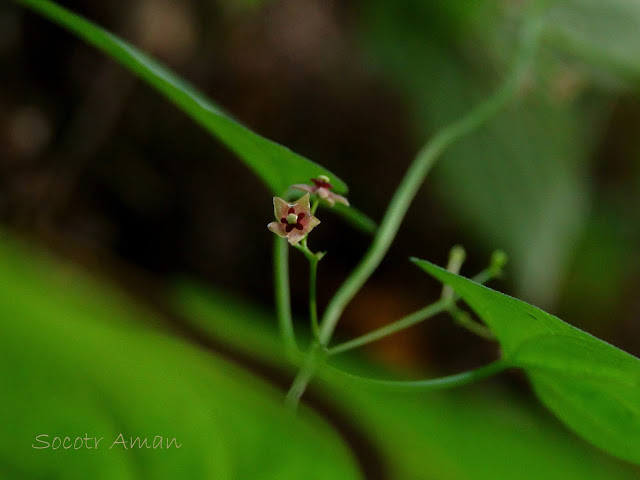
310, 224
278, 228
303, 187
335, 198
324, 193
280, 208
295, 236
303, 204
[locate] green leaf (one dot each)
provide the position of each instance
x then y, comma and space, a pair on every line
475, 434
80, 358
275, 164
533, 153
463, 434
356, 218
604, 33
592, 386
516, 156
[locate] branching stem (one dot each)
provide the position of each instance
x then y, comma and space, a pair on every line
408, 188
445, 304
411, 182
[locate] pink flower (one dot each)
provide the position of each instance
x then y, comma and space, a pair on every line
322, 188
295, 220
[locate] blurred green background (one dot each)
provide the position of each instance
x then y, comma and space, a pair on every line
152, 312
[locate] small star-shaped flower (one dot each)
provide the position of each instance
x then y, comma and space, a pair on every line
322, 188
294, 219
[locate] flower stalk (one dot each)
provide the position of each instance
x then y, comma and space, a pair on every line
314, 259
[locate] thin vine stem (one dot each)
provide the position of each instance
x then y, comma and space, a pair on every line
457, 257
282, 295
465, 320
450, 381
313, 304
407, 190
411, 182
314, 259
314, 358
445, 304
394, 327
485, 275
462, 318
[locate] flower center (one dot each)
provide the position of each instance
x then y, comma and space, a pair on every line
322, 182
292, 220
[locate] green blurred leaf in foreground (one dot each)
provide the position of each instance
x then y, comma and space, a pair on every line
470, 433
591, 385
79, 359
275, 164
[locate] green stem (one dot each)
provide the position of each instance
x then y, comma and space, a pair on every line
282, 295
450, 381
405, 322
456, 259
484, 276
442, 305
463, 319
314, 357
413, 179
313, 307
408, 188
313, 258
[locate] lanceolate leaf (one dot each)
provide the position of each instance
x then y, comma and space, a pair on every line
275, 164
592, 386
278, 166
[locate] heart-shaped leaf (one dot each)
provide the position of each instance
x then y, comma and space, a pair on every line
592, 386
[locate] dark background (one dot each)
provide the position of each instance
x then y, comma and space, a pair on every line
102, 169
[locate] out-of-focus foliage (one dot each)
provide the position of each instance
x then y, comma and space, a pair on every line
520, 182
603, 261
464, 434
78, 358
593, 386
603, 34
